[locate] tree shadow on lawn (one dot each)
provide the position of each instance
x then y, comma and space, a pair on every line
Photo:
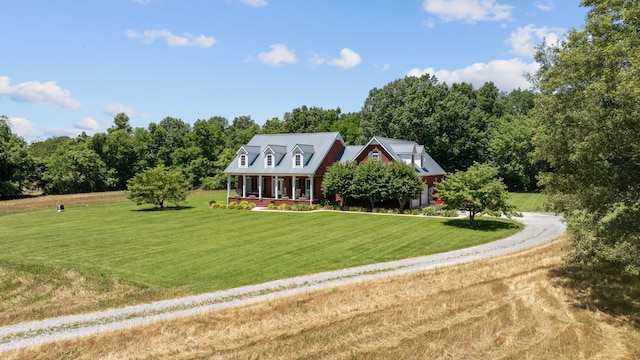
481, 224
166, 208
616, 296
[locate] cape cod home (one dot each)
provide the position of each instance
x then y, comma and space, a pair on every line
288, 168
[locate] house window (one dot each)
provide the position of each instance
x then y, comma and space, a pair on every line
375, 156
269, 161
243, 161
297, 160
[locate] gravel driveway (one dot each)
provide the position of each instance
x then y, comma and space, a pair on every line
539, 228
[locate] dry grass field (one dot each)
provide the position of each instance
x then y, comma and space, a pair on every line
52, 201
513, 307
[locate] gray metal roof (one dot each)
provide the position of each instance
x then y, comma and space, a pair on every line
313, 146
350, 152
395, 147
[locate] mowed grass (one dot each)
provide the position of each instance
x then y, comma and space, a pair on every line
517, 306
528, 202
197, 249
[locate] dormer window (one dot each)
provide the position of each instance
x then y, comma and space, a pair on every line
243, 161
297, 160
268, 161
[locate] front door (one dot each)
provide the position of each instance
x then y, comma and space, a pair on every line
280, 187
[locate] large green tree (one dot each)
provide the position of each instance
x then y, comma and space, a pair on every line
209, 136
511, 149
16, 164
404, 183
589, 117
158, 185
166, 137
313, 119
478, 190
76, 169
348, 126
371, 182
241, 130
117, 149
338, 180
451, 122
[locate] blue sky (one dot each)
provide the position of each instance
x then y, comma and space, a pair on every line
71, 65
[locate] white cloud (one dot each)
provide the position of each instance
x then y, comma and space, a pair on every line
348, 59
149, 36
87, 124
255, 3
143, 2
316, 60
38, 93
524, 39
545, 5
279, 54
470, 11
71, 132
505, 74
383, 68
430, 23
114, 108
22, 127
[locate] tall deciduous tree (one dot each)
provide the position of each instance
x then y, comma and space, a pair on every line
241, 131
158, 185
166, 137
511, 150
450, 122
117, 149
371, 181
589, 118
272, 126
314, 119
478, 190
404, 183
338, 180
209, 136
15, 163
348, 126
76, 170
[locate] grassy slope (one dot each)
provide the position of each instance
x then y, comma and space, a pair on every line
512, 307
528, 202
115, 247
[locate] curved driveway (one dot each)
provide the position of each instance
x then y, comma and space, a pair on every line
539, 228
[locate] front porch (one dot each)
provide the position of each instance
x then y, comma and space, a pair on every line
278, 189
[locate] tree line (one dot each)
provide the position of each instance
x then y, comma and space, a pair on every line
458, 125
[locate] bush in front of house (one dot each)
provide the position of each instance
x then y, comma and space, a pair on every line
300, 207
439, 210
284, 207
243, 205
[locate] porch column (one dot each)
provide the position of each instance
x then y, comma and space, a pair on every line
293, 189
228, 187
260, 187
311, 190
276, 186
244, 186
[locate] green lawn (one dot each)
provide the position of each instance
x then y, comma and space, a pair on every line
528, 202
198, 249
